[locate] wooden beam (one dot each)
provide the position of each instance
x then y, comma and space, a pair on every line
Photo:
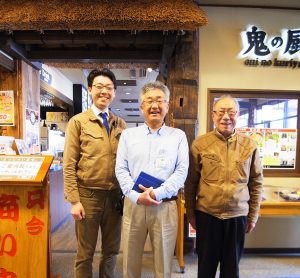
101, 55
87, 37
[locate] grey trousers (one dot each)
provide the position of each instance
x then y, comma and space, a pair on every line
100, 212
161, 223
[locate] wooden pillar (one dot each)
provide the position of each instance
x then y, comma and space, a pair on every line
183, 76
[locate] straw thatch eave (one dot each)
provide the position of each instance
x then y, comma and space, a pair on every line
105, 15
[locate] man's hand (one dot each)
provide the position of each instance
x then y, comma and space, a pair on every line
147, 198
250, 227
77, 211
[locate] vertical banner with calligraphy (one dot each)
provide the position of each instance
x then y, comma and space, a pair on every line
23, 231
7, 115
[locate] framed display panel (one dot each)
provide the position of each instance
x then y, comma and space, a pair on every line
23, 170
24, 217
277, 114
277, 147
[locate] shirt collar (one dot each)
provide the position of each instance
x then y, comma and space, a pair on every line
97, 111
158, 131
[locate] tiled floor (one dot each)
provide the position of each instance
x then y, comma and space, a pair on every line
251, 266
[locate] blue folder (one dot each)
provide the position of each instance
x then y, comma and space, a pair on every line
147, 181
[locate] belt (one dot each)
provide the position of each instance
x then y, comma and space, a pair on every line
173, 198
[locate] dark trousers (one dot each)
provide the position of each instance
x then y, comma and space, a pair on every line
100, 212
219, 241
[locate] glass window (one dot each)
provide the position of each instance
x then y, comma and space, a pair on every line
268, 113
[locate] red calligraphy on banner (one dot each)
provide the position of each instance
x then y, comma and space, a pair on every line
12, 245
35, 226
36, 197
6, 274
9, 208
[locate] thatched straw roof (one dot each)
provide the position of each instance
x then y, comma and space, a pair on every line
92, 14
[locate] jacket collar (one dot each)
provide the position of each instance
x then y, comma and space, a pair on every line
231, 138
93, 117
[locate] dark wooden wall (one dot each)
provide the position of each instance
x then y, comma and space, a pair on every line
183, 76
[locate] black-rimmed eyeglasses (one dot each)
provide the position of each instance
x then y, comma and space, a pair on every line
150, 102
100, 87
221, 113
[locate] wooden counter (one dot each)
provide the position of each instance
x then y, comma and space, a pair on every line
273, 205
24, 217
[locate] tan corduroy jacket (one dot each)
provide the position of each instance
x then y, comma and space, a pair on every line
225, 177
89, 154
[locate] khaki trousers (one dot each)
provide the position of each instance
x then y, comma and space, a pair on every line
100, 212
161, 223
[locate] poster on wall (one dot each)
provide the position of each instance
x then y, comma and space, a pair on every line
7, 108
32, 128
277, 147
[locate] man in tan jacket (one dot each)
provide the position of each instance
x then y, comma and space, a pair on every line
90, 184
223, 192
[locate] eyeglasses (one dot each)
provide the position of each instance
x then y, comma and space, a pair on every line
230, 113
100, 87
150, 102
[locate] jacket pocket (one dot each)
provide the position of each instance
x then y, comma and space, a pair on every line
92, 142
241, 171
95, 133
211, 168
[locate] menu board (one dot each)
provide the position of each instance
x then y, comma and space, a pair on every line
7, 108
20, 168
277, 147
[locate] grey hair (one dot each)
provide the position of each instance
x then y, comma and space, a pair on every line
152, 86
227, 97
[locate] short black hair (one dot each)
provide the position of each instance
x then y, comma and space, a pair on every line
104, 72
